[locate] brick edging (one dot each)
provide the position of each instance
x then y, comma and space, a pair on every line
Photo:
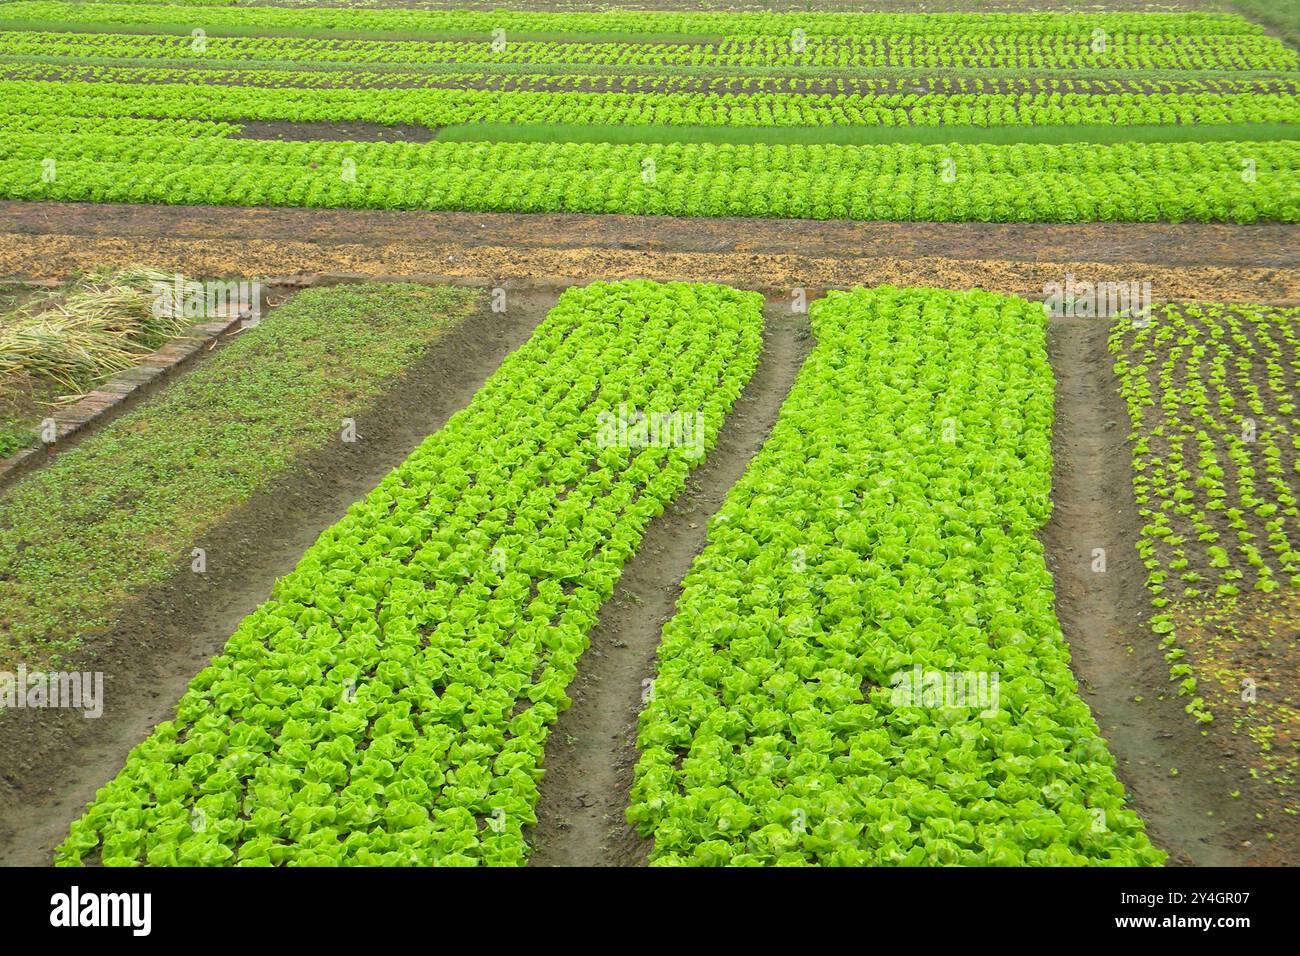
120, 392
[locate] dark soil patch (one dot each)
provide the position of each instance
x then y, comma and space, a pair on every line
1245, 652
591, 753
52, 761
356, 132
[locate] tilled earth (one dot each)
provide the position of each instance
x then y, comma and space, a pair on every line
1190, 261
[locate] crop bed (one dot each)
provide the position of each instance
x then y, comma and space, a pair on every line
104, 519
880, 531
1211, 393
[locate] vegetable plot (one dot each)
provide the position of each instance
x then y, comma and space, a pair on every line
651, 24
390, 704
85, 535
1211, 392
190, 95
1145, 50
865, 666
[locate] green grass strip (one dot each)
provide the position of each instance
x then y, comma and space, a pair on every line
1280, 15
122, 509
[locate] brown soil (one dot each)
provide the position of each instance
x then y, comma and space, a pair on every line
355, 132
1216, 262
1264, 246
1254, 637
52, 761
591, 752
1192, 814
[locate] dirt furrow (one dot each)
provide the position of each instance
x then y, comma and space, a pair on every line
1169, 769
591, 752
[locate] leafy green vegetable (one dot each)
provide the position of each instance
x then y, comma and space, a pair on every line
886, 529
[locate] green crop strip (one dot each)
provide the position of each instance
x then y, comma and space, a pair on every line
865, 666
618, 79
390, 704
738, 91
862, 136
1125, 53
654, 25
1235, 182
232, 29
447, 107
66, 126
123, 508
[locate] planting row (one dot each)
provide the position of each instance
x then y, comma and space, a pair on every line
1234, 182
65, 127
608, 80
865, 666
325, 21
390, 704
1028, 51
443, 107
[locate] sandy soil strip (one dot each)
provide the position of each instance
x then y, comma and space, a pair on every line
57, 256
1269, 245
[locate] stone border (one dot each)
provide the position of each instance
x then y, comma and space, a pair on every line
123, 390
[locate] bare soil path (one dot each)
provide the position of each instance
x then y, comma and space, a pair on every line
1264, 244
1186, 261
591, 752
1174, 775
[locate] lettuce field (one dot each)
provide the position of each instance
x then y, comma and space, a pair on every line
445, 433
961, 117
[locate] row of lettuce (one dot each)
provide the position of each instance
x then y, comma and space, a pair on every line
1127, 182
347, 74
391, 703
1042, 51
191, 96
216, 15
865, 666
